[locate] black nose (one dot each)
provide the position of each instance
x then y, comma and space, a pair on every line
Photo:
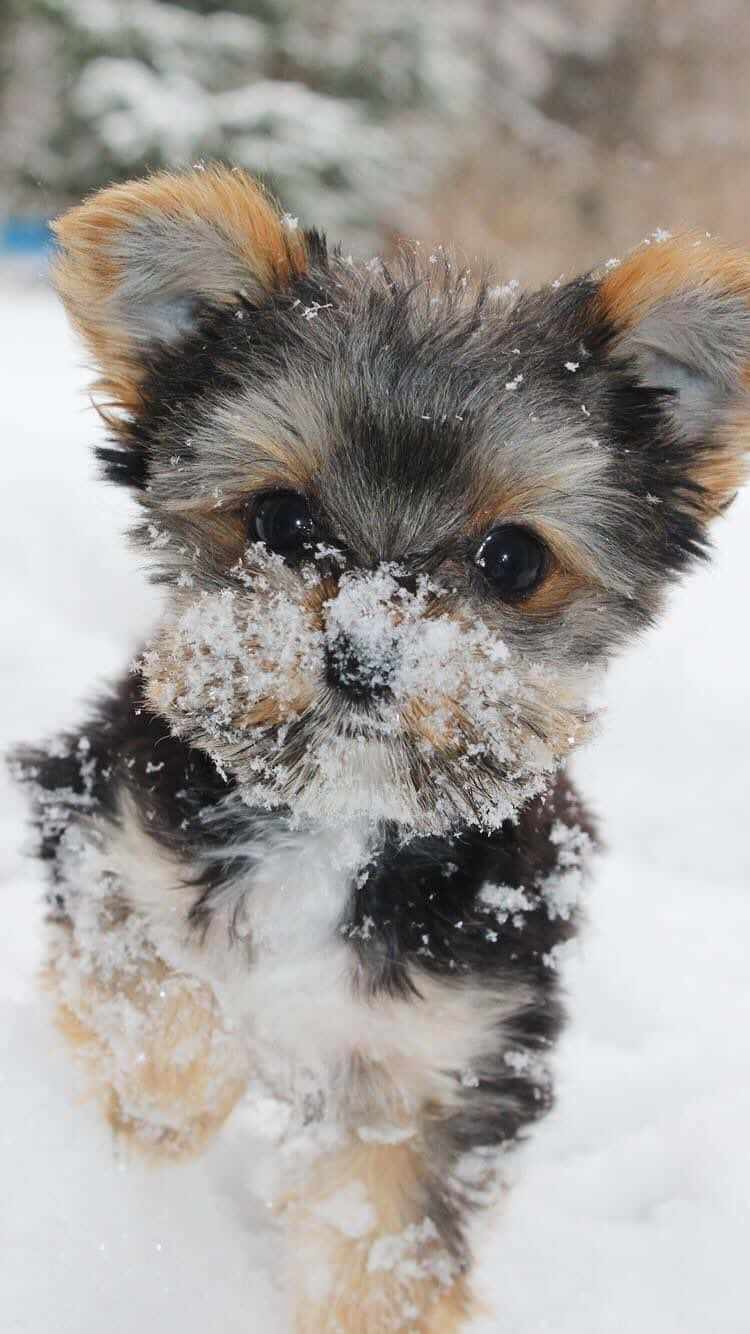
360, 675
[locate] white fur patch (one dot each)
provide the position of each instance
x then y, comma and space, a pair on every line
288, 986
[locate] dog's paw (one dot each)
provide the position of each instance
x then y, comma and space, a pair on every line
155, 1049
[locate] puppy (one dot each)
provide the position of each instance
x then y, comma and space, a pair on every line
321, 841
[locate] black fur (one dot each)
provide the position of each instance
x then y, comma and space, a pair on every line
125, 749
415, 906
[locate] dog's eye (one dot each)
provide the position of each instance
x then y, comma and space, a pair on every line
515, 559
283, 521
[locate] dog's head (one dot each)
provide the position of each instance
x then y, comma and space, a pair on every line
404, 516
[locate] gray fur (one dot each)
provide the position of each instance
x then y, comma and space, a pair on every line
167, 266
694, 344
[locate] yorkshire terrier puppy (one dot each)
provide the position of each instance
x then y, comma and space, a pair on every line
321, 840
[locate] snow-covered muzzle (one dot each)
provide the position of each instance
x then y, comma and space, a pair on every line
456, 728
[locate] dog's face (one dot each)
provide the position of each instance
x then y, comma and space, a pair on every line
404, 518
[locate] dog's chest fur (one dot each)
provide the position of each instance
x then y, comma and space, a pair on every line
270, 943
333, 951
293, 957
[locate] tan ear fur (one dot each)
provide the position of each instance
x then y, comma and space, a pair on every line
132, 257
703, 288
663, 268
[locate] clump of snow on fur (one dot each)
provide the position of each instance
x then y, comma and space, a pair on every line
560, 891
232, 658
527, 1064
414, 1253
507, 901
348, 1210
555, 957
55, 808
475, 1176
385, 1134
504, 292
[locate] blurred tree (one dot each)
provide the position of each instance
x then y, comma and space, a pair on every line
349, 109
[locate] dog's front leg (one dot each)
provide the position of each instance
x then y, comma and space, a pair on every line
151, 1039
373, 1247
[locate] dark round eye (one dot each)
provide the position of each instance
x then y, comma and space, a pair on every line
515, 559
283, 521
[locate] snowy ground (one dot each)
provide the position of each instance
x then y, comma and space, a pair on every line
632, 1209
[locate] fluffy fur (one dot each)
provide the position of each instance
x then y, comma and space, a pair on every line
322, 840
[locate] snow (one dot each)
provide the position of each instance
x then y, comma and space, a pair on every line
630, 1210
221, 658
349, 1210
562, 891
405, 1252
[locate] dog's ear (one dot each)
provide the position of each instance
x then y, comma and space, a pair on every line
680, 312
137, 262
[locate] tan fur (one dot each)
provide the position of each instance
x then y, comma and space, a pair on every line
170, 673
656, 271
449, 1314
184, 1074
357, 1297
723, 470
263, 465
87, 273
270, 712
316, 597
220, 534
556, 592
419, 718
277, 465
512, 500
563, 728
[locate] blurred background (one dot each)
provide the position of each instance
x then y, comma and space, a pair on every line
549, 134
